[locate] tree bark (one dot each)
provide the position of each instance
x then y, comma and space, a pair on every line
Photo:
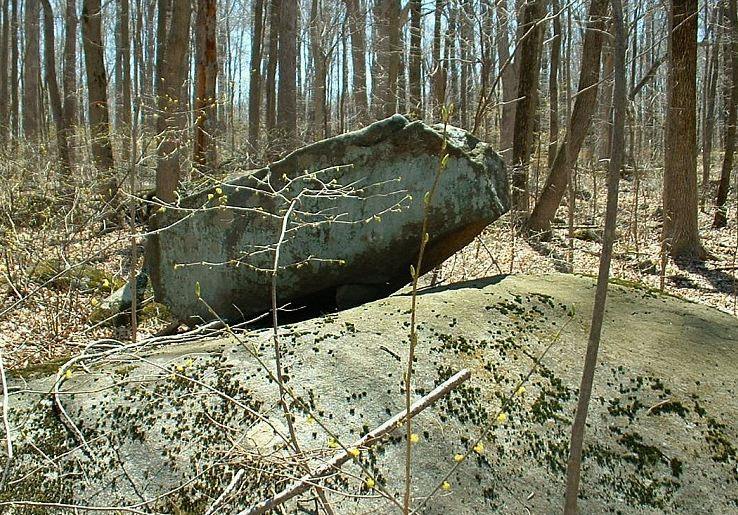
69, 71
553, 85
680, 231
581, 118
509, 81
708, 126
439, 69
14, 117
206, 75
271, 80
123, 73
287, 90
320, 121
31, 73
97, 86
525, 108
603, 277
604, 120
415, 100
62, 130
4, 77
357, 24
173, 42
386, 19
721, 212
255, 75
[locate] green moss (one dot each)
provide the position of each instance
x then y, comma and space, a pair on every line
86, 276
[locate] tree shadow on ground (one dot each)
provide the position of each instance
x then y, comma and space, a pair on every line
720, 280
559, 260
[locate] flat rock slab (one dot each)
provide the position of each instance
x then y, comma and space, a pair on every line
168, 428
354, 206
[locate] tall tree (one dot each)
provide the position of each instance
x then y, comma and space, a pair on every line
271, 75
14, 69
173, 34
579, 123
206, 74
123, 71
525, 109
415, 90
598, 312
509, 74
438, 81
31, 73
69, 69
708, 126
553, 84
721, 213
52, 85
287, 89
4, 77
680, 230
387, 45
255, 74
320, 71
357, 24
97, 86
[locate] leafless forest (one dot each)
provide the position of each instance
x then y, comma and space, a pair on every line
108, 103
122, 103
111, 112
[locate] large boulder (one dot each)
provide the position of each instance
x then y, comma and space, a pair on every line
353, 230
168, 429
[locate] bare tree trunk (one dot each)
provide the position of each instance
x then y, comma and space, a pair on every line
721, 213
525, 108
287, 90
206, 75
509, 81
320, 128
69, 71
4, 77
604, 120
415, 100
711, 76
14, 116
439, 69
452, 76
598, 312
466, 47
581, 118
553, 85
97, 85
255, 74
386, 18
174, 39
271, 81
680, 231
123, 74
357, 24
52, 85
31, 73
14, 79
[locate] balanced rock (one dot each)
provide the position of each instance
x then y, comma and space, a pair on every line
184, 428
346, 214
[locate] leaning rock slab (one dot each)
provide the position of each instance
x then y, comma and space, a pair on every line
168, 429
354, 208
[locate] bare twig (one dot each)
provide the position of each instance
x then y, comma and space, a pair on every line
367, 440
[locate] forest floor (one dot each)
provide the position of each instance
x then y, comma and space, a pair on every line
53, 280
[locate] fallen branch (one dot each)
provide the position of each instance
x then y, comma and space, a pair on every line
308, 481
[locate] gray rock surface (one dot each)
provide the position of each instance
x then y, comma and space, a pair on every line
662, 432
357, 221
